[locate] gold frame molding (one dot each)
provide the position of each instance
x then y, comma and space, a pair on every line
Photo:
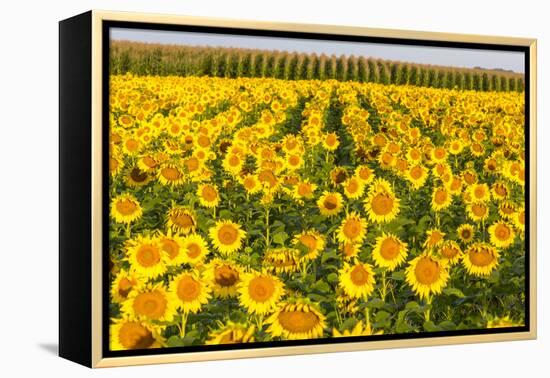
97, 312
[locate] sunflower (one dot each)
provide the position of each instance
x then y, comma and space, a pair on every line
297, 319
427, 275
506, 209
502, 234
304, 190
312, 241
441, 199
188, 292
357, 281
251, 183
194, 249
381, 203
477, 211
389, 251
330, 203
231, 333
358, 330
417, 176
223, 277
353, 187
181, 219
338, 175
125, 208
466, 232
260, 292
208, 195
479, 193
480, 259
500, 191
123, 284
364, 173
233, 163
456, 147
439, 154
519, 220
331, 142
151, 303
281, 260
130, 334
349, 250
294, 162
170, 174
434, 237
227, 236
353, 229
136, 178
171, 245
146, 257
450, 252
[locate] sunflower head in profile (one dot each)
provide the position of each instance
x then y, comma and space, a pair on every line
450, 251
282, 260
353, 229
227, 236
181, 220
310, 243
389, 251
466, 232
330, 203
189, 292
381, 203
125, 208
502, 234
260, 292
357, 280
427, 275
127, 333
296, 319
123, 283
231, 333
194, 249
146, 256
480, 259
208, 195
223, 276
359, 329
150, 302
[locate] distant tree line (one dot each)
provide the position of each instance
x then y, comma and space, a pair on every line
156, 59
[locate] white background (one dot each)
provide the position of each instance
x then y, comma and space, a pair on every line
29, 189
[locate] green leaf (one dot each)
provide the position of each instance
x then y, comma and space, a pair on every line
398, 276
447, 325
375, 303
175, 341
453, 291
381, 316
430, 326
332, 278
413, 306
280, 238
328, 255
321, 286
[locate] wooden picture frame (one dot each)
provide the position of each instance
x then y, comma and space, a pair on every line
87, 223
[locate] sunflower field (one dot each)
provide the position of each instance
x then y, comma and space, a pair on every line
259, 209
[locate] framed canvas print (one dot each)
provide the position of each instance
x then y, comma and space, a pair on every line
236, 189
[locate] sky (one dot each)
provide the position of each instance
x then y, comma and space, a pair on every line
456, 57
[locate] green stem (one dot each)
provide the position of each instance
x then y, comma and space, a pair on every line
267, 241
183, 324
427, 312
128, 231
